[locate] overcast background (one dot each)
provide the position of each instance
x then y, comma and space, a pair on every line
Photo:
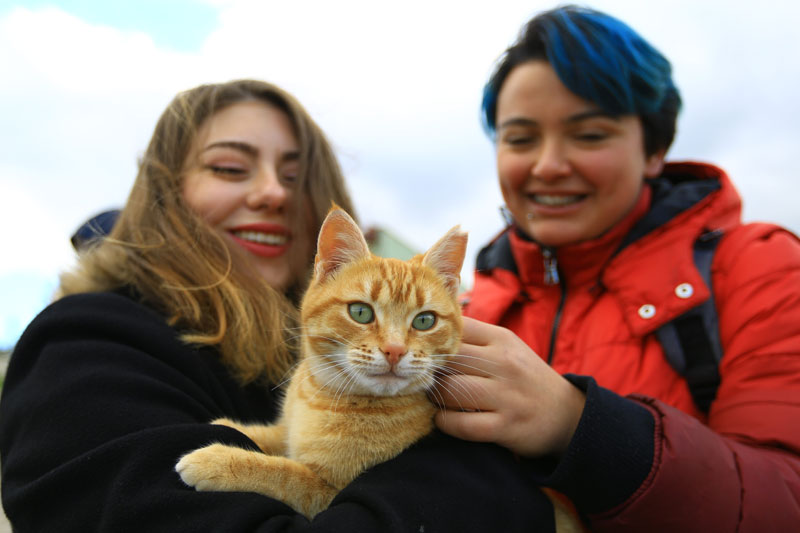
396, 85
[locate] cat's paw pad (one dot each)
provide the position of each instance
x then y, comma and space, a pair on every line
202, 468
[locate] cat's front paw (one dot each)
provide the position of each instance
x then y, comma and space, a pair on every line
204, 468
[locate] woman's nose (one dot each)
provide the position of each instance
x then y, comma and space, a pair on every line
267, 191
551, 162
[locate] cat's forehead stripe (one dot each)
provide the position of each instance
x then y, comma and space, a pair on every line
375, 292
421, 296
383, 268
402, 282
362, 286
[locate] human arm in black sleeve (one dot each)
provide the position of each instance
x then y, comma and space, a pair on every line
101, 399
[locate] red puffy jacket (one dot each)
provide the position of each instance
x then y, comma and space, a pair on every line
644, 458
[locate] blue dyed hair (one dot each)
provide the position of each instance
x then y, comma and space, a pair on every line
602, 60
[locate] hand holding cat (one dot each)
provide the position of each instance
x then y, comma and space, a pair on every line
503, 392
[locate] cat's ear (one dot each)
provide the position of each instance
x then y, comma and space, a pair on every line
340, 242
447, 256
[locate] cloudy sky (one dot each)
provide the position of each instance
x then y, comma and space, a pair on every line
396, 85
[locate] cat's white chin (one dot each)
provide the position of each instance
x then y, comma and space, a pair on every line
389, 384
341, 378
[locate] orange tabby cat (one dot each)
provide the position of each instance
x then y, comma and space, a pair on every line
374, 332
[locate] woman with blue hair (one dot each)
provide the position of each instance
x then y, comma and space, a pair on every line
636, 344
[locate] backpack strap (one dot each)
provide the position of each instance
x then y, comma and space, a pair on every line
691, 341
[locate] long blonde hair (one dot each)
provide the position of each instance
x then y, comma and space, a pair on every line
179, 265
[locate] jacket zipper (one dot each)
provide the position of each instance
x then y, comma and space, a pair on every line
550, 267
551, 277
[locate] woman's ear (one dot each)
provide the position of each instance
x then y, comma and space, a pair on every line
654, 164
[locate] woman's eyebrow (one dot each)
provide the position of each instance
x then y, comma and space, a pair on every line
235, 145
290, 156
591, 113
572, 119
517, 121
250, 150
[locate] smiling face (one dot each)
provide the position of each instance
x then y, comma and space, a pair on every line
568, 171
240, 177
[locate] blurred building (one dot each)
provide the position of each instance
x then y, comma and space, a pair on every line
384, 243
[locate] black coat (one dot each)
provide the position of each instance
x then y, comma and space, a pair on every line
101, 398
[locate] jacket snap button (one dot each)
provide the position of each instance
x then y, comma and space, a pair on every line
684, 290
647, 311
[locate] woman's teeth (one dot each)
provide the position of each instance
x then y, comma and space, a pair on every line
272, 239
556, 200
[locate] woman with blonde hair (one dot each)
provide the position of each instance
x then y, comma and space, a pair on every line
184, 314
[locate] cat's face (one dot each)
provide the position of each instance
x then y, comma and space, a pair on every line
381, 326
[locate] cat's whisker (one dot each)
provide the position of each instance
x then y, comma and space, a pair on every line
463, 356
328, 361
447, 370
456, 356
340, 391
327, 334
351, 381
443, 407
342, 378
456, 365
315, 373
325, 366
323, 387
287, 376
295, 337
327, 338
343, 389
454, 388
439, 403
339, 381
331, 336
451, 364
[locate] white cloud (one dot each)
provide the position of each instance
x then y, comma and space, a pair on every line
29, 243
77, 112
395, 86
53, 48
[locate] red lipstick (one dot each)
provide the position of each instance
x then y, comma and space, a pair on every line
262, 239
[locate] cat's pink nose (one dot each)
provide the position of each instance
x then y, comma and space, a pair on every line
394, 352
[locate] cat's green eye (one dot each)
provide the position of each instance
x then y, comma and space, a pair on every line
423, 321
361, 312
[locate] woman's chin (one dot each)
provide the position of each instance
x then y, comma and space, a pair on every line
555, 234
